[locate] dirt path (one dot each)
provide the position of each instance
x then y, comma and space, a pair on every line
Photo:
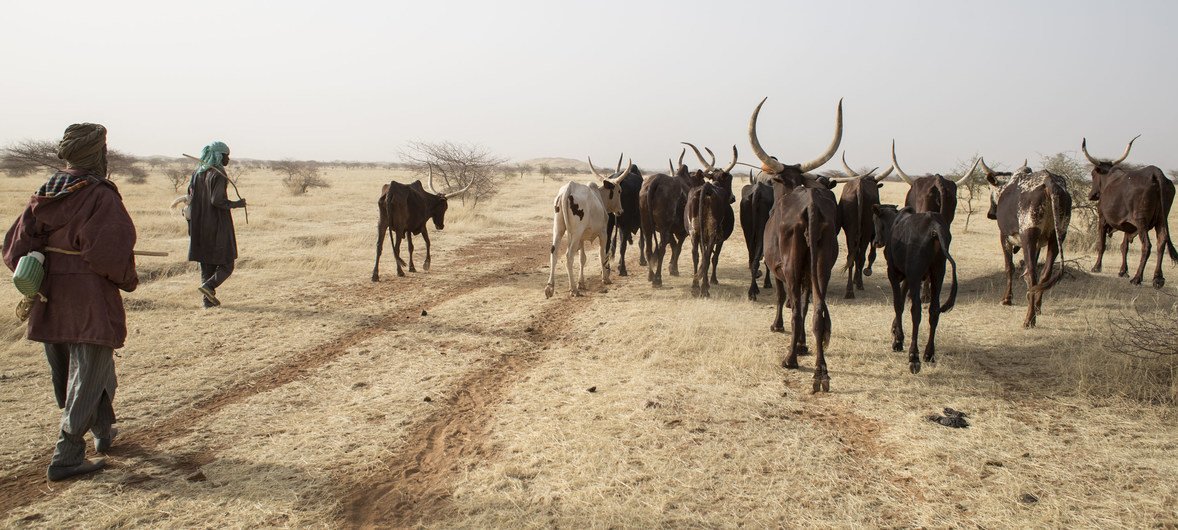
28, 485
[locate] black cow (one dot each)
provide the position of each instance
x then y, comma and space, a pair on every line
931, 193
661, 201
404, 210
756, 199
859, 197
1033, 211
801, 245
1133, 201
916, 251
621, 228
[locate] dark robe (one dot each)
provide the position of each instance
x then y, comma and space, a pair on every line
84, 304
210, 229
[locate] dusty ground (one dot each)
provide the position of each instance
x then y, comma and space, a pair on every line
315, 397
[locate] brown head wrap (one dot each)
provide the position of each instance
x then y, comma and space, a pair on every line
83, 146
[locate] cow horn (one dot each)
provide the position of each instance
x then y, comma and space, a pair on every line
711, 154
768, 164
985, 168
599, 177
885, 174
1084, 148
896, 165
619, 170
733, 164
834, 144
671, 165
708, 166
968, 173
850, 172
1127, 148
843, 180
431, 179
1022, 167
461, 191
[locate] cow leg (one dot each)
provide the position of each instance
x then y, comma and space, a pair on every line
409, 240
425, 237
656, 261
397, 252
642, 246
623, 236
779, 323
604, 265
899, 292
557, 232
570, 256
767, 275
821, 327
1145, 251
934, 312
870, 259
914, 297
380, 230
804, 296
695, 267
1101, 234
859, 259
850, 268
797, 324
1008, 263
716, 261
581, 277
1163, 235
1124, 272
1030, 239
676, 249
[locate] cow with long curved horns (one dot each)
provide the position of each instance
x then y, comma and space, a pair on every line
1033, 210
709, 220
801, 245
857, 203
404, 211
932, 193
661, 202
580, 211
1133, 201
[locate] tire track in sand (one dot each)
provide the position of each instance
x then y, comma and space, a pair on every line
517, 256
420, 477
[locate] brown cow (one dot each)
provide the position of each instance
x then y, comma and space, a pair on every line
404, 211
801, 245
856, 203
931, 193
1033, 211
661, 202
1133, 201
709, 221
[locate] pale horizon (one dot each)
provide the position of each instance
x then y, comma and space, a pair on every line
348, 81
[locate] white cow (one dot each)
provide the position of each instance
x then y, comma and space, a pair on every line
582, 211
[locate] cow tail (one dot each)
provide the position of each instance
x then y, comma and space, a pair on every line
1166, 223
1059, 237
941, 234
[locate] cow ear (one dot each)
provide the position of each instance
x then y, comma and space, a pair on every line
992, 180
879, 184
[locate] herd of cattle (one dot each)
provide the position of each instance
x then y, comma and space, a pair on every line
791, 218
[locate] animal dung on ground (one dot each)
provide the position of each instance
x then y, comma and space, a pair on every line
427, 399
591, 389
1027, 498
198, 476
952, 418
423, 313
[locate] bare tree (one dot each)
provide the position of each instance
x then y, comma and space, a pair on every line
545, 171
299, 175
1082, 231
456, 165
972, 193
29, 156
177, 176
1144, 335
523, 169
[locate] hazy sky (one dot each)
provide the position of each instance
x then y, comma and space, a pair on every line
353, 80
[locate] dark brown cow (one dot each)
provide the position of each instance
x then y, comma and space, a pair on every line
405, 210
756, 199
1033, 211
916, 251
931, 193
661, 202
1133, 201
859, 197
801, 246
708, 220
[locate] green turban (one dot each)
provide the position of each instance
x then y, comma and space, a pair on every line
83, 146
210, 156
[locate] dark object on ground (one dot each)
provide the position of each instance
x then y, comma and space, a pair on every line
591, 389
423, 313
1027, 498
952, 418
57, 473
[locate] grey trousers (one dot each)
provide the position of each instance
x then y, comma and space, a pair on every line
84, 384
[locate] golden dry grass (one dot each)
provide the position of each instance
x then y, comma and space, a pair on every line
302, 401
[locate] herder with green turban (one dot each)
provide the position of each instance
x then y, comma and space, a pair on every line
212, 240
79, 317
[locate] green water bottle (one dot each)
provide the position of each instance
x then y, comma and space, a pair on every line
30, 270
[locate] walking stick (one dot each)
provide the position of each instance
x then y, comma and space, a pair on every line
246, 208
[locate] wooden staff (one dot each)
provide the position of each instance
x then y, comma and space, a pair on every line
155, 253
246, 209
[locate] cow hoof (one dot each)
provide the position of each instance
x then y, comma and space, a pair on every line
1124, 274
790, 364
412, 268
695, 291
715, 281
1095, 268
777, 329
622, 272
914, 367
603, 290
574, 294
375, 278
656, 283
642, 262
850, 295
803, 349
401, 273
548, 291
1135, 280
898, 345
674, 273
705, 294
1159, 282
867, 271
425, 267
606, 281
757, 273
821, 384
1005, 301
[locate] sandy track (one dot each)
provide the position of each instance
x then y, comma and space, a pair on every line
28, 485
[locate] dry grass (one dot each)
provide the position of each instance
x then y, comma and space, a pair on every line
307, 390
